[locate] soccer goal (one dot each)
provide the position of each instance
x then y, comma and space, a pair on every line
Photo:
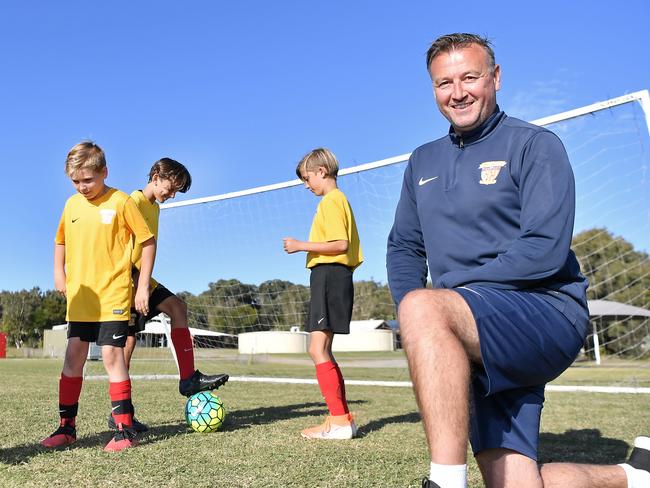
224, 256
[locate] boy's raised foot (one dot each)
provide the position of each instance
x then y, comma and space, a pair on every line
201, 382
336, 427
123, 439
138, 426
65, 435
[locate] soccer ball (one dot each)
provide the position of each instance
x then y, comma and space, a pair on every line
204, 411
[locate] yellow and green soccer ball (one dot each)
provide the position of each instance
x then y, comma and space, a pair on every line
204, 411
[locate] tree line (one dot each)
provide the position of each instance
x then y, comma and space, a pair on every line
616, 271
232, 307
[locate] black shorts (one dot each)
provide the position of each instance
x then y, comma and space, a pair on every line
103, 333
158, 295
332, 297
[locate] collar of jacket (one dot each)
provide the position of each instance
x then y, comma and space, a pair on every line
480, 132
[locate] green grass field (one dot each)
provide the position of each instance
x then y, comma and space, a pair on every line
259, 445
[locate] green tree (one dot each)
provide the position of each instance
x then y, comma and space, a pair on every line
229, 306
18, 311
51, 310
616, 272
294, 302
271, 297
372, 301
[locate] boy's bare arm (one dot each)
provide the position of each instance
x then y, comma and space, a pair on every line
330, 248
146, 269
59, 268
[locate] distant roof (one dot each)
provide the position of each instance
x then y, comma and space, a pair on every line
359, 325
600, 308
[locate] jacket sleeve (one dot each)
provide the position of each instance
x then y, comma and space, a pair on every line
406, 260
547, 197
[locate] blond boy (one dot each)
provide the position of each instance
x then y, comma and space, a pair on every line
92, 269
333, 253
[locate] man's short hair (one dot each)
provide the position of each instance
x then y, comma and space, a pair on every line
319, 157
459, 40
85, 155
169, 169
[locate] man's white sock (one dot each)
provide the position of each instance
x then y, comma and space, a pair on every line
636, 478
449, 475
637, 468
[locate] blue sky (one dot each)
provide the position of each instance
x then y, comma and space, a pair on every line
239, 91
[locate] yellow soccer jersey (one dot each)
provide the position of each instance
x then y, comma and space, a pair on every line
97, 238
334, 221
151, 213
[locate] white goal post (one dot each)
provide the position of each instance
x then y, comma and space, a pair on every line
642, 97
608, 144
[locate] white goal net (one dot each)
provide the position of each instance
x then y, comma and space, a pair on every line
223, 254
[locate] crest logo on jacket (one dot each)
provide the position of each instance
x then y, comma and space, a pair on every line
490, 171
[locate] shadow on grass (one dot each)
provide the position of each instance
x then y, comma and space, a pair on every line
407, 418
235, 420
244, 419
23, 453
581, 446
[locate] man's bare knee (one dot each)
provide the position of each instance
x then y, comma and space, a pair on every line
417, 304
431, 314
421, 308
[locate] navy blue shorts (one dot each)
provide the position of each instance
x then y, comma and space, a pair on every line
525, 343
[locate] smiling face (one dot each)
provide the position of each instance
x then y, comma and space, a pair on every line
89, 183
465, 86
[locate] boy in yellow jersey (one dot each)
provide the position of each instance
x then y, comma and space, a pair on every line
166, 178
333, 252
92, 269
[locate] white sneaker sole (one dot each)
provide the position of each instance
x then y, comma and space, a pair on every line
335, 433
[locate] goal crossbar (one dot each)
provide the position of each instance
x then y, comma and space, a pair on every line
642, 96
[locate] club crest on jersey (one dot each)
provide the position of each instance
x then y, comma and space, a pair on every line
490, 170
107, 215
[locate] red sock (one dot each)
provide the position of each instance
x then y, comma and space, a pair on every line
332, 387
122, 408
182, 341
69, 391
